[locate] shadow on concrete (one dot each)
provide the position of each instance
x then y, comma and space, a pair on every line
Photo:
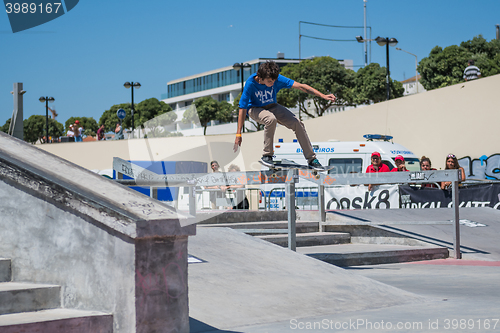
436, 241
196, 326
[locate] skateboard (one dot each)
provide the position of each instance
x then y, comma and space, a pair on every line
287, 165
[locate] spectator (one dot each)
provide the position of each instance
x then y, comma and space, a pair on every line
425, 165
376, 166
118, 132
100, 133
471, 72
400, 164
240, 197
78, 131
214, 165
214, 195
71, 132
452, 163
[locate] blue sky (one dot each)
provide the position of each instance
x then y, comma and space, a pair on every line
83, 58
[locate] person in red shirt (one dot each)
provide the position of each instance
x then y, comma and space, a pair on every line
376, 166
400, 164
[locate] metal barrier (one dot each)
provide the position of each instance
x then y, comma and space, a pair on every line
304, 196
210, 198
290, 177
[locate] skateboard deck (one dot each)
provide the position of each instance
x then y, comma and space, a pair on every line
287, 165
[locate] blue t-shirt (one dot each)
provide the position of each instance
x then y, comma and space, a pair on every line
257, 95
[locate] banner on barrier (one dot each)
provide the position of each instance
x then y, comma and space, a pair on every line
487, 195
358, 197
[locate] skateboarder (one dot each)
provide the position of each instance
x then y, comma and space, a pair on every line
259, 100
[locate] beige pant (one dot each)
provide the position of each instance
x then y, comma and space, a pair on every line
275, 113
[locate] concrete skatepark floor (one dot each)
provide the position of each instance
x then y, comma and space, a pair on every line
248, 285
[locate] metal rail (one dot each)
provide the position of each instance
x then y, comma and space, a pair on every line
290, 178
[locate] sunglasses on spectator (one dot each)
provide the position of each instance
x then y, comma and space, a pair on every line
451, 156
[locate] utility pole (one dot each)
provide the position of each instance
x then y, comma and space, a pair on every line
366, 38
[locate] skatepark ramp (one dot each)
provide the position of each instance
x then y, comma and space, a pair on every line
88, 244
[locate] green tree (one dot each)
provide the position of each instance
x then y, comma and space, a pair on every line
370, 84
224, 112
150, 108
143, 112
445, 67
109, 117
34, 128
156, 127
486, 55
206, 109
324, 74
89, 125
154, 116
5, 127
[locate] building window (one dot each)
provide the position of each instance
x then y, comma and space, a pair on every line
224, 97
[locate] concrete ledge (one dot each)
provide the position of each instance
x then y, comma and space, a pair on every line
5, 270
57, 321
310, 239
372, 256
23, 297
86, 194
301, 227
233, 216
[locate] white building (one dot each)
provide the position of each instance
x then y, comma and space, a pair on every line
412, 88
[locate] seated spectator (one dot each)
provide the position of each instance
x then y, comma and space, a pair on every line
400, 164
118, 132
452, 163
214, 195
425, 165
376, 166
241, 201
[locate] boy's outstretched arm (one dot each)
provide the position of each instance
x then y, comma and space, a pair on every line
241, 122
310, 90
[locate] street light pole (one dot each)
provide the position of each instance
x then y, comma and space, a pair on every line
46, 100
133, 85
416, 65
386, 42
241, 66
383, 41
366, 53
387, 74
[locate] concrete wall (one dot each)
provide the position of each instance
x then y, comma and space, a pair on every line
110, 248
461, 119
95, 269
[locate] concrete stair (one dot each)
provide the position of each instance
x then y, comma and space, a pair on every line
338, 245
251, 227
306, 231
29, 307
310, 238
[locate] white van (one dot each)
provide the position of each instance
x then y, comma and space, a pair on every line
349, 157
344, 157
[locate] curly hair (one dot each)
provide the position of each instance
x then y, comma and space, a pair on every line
269, 69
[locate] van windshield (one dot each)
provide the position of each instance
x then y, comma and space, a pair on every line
412, 164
